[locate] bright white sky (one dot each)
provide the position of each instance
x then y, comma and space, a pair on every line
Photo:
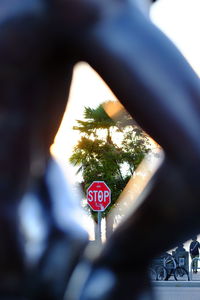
179, 19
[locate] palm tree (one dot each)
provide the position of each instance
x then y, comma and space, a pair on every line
100, 158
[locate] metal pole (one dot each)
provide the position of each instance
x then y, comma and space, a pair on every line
99, 227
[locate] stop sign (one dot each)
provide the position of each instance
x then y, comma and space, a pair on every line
98, 195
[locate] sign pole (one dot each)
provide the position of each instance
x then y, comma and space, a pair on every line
99, 227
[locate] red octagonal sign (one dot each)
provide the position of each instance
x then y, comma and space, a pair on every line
98, 196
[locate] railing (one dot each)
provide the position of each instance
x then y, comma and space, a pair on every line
191, 266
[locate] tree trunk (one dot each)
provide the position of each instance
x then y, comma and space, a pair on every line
109, 226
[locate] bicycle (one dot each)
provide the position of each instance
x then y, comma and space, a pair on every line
174, 269
157, 272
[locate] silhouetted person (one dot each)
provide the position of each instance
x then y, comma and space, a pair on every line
40, 42
194, 253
